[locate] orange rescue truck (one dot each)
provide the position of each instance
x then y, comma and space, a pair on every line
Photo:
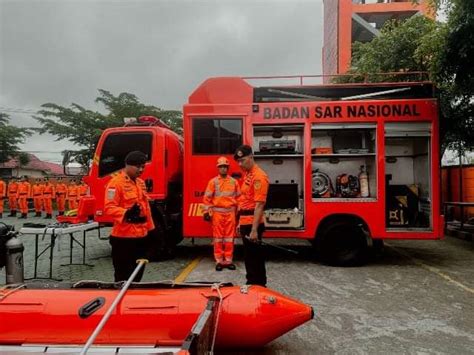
350, 165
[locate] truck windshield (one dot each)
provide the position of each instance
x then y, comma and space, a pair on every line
118, 145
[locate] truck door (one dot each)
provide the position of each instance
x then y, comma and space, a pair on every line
111, 155
211, 137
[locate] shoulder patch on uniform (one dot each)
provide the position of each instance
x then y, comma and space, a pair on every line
257, 184
111, 193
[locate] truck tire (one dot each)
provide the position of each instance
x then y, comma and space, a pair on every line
342, 243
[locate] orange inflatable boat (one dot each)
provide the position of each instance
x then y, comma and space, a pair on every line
150, 314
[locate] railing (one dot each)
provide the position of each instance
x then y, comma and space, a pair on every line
415, 76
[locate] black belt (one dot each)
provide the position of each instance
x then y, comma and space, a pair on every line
246, 212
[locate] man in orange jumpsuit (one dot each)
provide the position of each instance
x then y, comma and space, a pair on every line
220, 207
61, 192
3, 193
37, 194
23, 194
12, 192
48, 195
254, 190
72, 195
127, 202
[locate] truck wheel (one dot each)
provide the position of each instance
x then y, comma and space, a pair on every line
342, 243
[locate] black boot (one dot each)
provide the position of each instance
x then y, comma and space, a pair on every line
12, 214
48, 216
219, 267
38, 214
1, 215
23, 216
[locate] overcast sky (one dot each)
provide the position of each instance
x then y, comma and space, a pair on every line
62, 51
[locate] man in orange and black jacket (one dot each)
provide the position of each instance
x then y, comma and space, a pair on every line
127, 202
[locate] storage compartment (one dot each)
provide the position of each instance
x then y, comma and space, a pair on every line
344, 162
279, 152
283, 219
278, 140
408, 183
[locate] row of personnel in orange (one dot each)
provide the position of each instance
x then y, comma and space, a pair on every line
43, 192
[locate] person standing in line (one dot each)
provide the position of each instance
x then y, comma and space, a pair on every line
37, 194
127, 203
3, 192
254, 190
23, 194
12, 196
220, 207
72, 195
61, 192
82, 189
48, 195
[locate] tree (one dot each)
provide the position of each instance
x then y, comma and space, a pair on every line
10, 138
457, 72
83, 127
417, 45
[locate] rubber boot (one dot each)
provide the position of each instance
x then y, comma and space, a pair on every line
38, 214
23, 216
48, 216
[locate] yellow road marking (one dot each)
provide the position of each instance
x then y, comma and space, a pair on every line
187, 270
433, 270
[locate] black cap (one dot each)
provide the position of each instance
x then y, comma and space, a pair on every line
242, 151
135, 158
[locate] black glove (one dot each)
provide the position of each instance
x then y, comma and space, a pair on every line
207, 217
132, 215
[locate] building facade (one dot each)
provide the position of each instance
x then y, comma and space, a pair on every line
348, 21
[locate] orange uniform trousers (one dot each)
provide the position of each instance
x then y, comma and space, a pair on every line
23, 203
48, 204
38, 203
61, 202
1, 205
72, 202
12, 202
223, 233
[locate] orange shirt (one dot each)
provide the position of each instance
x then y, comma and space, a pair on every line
61, 189
12, 188
37, 191
254, 189
72, 191
48, 191
221, 193
3, 189
82, 190
24, 190
122, 193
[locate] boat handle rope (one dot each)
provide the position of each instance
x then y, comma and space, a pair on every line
11, 288
105, 318
216, 287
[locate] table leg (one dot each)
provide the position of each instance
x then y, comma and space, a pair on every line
84, 247
36, 255
71, 246
51, 253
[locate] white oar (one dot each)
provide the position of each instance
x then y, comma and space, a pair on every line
107, 315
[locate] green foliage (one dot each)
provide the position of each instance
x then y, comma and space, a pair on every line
83, 127
443, 50
10, 138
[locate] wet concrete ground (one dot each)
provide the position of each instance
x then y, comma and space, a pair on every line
415, 298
